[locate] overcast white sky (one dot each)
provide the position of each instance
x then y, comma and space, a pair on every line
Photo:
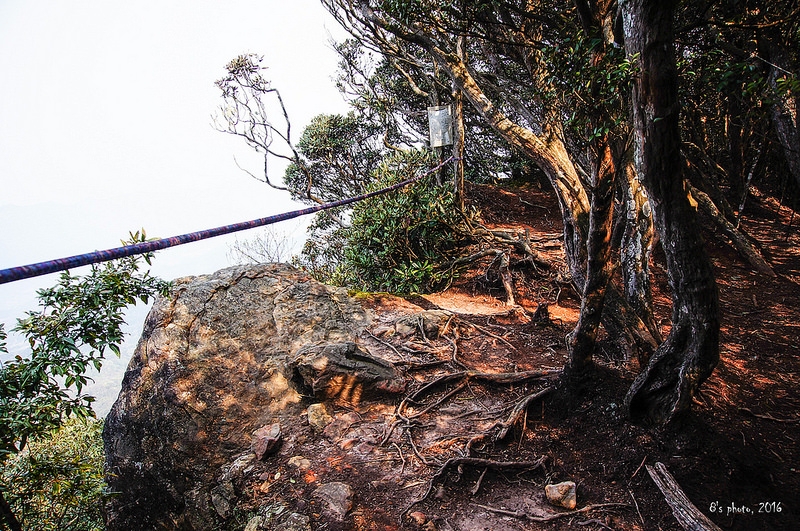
105, 124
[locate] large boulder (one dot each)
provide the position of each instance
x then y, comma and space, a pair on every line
215, 365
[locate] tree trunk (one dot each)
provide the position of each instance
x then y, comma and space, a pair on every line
458, 135
547, 152
746, 248
784, 107
733, 130
8, 515
599, 266
682, 363
548, 149
636, 247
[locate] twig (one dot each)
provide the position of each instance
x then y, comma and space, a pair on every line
477, 486
768, 417
551, 517
640, 467
637, 508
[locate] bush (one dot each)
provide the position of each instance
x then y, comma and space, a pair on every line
57, 482
403, 240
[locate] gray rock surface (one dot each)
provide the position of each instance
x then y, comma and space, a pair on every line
338, 497
211, 368
345, 372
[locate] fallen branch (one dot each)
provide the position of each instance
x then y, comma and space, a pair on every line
688, 516
521, 245
551, 517
746, 248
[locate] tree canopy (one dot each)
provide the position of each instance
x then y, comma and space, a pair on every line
639, 115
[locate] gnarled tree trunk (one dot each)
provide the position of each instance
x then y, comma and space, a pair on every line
687, 357
599, 265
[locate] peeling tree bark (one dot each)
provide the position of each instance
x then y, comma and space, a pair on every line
636, 247
687, 357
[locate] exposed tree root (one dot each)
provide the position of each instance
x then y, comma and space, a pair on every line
487, 464
769, 417
519, 412
496, 240
463, 378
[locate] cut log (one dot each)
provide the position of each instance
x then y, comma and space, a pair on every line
688, 516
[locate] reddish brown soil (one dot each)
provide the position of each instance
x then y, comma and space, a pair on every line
735, 456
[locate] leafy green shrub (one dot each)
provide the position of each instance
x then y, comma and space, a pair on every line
57, 482
79, 320
402, 241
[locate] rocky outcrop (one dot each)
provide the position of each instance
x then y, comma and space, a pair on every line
220, 363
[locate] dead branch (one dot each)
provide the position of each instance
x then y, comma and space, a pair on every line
636, 504
746, 248
521, 245
688, 516
477, 486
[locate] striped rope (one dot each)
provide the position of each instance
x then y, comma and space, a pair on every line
43, 268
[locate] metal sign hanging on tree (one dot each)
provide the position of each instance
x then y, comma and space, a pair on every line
440, 126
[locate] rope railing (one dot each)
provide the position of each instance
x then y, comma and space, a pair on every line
51, 266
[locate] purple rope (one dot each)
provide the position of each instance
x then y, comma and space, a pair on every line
43, 268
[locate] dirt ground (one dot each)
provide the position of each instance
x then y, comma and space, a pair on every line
434, 461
